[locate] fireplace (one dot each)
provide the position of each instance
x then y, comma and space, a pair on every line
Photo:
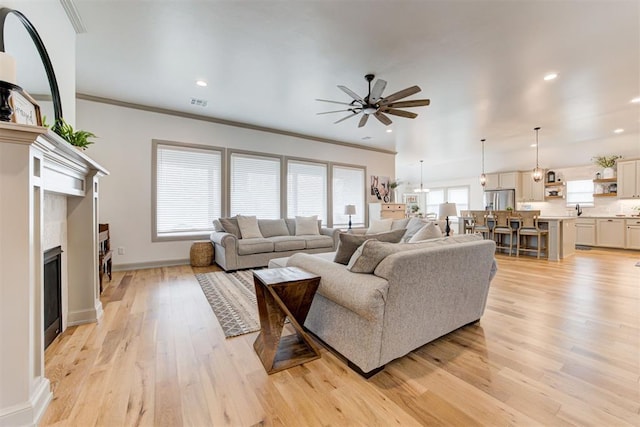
52, 298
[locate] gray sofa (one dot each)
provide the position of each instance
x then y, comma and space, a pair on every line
417, 293
232, 252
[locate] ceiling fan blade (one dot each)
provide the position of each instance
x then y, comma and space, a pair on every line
383, 119
363, 120
377, 90
333, 102
351, 93
401, 94
335, 111
401, 113
345, 118
406, 104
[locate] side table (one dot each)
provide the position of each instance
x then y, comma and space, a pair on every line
280, 293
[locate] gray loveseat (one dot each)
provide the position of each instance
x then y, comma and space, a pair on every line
232, 252
417, 293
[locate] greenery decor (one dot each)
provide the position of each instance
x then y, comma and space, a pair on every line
394, 184
606, 161
77, 138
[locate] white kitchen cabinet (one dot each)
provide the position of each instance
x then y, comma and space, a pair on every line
629, 179
586, 231
499, 181
632, 233
610, 232
531, 191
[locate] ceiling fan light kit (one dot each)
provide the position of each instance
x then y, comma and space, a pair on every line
375, 105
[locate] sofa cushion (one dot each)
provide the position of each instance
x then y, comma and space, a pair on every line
307, 225
254, 246
273, 227
399, 223
413, 226
379, 226
248, 226
288, 243
368, 255
349, 243
315, 242
291, 225
429, 231
230, 225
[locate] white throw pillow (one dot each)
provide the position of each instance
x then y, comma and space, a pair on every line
307, 225
248, 226
379, 226
429, 231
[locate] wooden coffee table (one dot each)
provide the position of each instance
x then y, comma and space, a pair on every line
281, 293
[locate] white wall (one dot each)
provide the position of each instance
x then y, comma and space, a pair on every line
124, 148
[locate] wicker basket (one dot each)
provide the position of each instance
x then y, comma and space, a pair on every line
201, 254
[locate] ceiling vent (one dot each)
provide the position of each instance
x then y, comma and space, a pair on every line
199, 102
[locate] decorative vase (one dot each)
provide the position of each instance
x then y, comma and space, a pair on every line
608, 173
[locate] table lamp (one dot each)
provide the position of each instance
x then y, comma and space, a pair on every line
350, 210
446, 210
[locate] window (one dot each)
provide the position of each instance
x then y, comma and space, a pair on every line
255, 185
307, 189
434, 198
457, 195
187, 189
580, 192
348, 189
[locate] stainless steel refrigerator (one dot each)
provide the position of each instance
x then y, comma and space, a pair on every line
499, 199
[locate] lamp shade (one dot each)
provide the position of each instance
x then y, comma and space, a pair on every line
447, 210
350, 209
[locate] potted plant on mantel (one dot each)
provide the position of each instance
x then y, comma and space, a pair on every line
607, 163
392, 186
77, 138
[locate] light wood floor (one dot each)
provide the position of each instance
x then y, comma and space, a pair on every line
559, 344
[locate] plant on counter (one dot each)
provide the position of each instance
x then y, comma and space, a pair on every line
606, 161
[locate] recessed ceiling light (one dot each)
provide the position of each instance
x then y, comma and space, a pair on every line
201, 83
550, 76
533, 145
619, 130
636, 100
389, 130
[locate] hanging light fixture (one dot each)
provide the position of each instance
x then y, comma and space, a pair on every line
537, 172
483, 177
421, 189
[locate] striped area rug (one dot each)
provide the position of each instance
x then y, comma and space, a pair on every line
233, 300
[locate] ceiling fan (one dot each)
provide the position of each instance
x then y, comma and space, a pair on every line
374, 105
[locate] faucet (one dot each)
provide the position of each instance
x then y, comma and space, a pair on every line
579, 209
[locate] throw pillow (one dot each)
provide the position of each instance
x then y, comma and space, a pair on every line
217, 226
348, 243
230, 225
248, 227
307, 225
273, 227
379, 226
429, 231
399, 223
367, 257
413, 226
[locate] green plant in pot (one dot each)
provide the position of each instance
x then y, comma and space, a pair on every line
607, 163
77, 138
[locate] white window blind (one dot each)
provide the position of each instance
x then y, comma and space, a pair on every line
348, 189
255, 186
434, 198
188, 189
307, 189
580, 192
459, 196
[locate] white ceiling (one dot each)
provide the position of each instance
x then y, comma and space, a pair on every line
480, 62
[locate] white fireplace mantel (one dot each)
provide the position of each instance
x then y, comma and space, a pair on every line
34, 160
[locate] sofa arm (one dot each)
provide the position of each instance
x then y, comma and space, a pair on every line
334, 233
225, 248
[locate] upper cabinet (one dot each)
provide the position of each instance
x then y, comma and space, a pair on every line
499, 181
629, 179
531, 191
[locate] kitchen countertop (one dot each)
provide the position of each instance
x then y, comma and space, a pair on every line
609, 217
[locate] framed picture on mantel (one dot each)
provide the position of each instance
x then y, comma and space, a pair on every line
26, 110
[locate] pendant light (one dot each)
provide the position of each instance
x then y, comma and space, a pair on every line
483, 177
537, 172
421, 189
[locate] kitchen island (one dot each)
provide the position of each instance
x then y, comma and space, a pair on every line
562, 235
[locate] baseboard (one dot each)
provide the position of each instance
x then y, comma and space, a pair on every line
81, 317
29, 413
150, 264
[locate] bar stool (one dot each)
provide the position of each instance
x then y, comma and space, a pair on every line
480, 223
468, 224
529, 227
503, 228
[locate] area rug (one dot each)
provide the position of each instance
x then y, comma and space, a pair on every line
233, 300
